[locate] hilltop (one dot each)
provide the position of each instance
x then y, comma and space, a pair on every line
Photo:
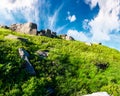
62, 68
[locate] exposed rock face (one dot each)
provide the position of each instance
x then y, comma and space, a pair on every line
47, 33
27, 28
4, 26
98, 94
28, 66
66, 37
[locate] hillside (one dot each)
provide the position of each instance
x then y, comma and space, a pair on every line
71, 68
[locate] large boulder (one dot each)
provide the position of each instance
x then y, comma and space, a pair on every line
28, 66
27, 28
47, 33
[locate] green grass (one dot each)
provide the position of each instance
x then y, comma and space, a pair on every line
71, 69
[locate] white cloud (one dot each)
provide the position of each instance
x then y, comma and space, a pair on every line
71, 18
77, 35
53, 19
107, 20
12, 9
37, 11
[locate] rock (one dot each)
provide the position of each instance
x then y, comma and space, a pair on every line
63, 36
10, 36
69, 38
48, 33
27, 28
42, 54
88, 43
28, 66
98, 94
41, 33
53, 34
23, 53
4, 26
97, 43
66, 37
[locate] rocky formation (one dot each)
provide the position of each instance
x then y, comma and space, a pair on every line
98, 94
66, 37
28, 66
47, 33
27, 28
31, 28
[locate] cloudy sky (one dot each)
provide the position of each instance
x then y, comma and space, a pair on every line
85, 20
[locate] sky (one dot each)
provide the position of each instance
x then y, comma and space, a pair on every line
84, 20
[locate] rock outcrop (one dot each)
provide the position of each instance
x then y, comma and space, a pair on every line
28, 66
42, 54
66, 37
10, 36
98, 94
31, 28
27, 28
47, 33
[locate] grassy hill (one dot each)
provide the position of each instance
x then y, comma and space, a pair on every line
71, 68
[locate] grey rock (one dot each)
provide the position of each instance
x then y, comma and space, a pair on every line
69, 38
66, 37
10, 36
41, 33
24, 55
53, 34
43, 54
88, 43
63, 36
98, 94
48, 33
27, 28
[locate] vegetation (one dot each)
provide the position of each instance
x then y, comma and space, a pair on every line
71, 69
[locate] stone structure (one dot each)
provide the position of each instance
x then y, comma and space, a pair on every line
27, 28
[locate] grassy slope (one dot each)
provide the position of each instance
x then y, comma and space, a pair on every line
73, 73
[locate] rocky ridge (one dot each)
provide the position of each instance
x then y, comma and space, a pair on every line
31, 28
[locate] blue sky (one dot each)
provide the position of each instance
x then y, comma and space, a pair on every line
85, 20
